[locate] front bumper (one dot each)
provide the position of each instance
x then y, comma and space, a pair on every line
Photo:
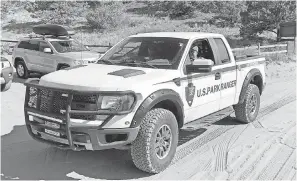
6, 78
74, 136
6, 74
93, 138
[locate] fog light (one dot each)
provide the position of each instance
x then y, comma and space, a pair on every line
82, 138
31, 118
115, 137
127, 123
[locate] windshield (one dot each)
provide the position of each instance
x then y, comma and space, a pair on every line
153, 52
68, 46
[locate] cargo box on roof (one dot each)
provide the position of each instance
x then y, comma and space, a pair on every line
52, 29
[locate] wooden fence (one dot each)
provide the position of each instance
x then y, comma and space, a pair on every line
255, 49
258, 49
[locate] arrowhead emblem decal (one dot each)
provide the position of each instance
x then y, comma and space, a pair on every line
190, 93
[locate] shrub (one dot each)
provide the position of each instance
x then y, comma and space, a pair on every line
181, 10
172, 9
106, 16
64, 12
266, 16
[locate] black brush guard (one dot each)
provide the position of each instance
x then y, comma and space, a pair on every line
64, 115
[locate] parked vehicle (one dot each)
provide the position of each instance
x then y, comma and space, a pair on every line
141, 92
6, 74
52, 51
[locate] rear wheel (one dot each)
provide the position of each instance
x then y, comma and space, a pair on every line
247, 111
22, 70
156, 143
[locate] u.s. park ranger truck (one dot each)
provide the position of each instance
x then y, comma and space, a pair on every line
141, 92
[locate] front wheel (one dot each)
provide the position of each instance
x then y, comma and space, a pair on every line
22, 70
247, 111
156, 143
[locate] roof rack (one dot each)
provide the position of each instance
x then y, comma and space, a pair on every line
47, 36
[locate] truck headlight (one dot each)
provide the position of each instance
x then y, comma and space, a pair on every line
116, 103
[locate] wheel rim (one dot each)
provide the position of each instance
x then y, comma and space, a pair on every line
253, 104
21, 70
163, 141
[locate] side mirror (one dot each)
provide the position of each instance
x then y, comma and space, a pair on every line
87, 47
47, 50
200, 66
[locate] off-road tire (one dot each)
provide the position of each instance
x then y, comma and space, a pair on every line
26, 72
143, 148
242, 110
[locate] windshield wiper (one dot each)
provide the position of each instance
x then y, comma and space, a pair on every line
145, 63
105, 61
139, 63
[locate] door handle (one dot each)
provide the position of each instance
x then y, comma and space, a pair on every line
217, 76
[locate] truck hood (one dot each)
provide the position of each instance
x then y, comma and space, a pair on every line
85, 55
99, 77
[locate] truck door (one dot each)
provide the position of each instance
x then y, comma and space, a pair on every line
227, 67
32, 55
200, 94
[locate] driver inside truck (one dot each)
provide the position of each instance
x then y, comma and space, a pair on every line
196, 52
193, 53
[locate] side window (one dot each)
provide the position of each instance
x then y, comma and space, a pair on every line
33, 45
200, 49
43, 45
24, 44
223, 53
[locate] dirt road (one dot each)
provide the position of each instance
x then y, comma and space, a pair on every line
263, 150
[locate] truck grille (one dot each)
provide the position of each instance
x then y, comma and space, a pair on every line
52, 101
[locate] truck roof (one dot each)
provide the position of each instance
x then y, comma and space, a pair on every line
183, 35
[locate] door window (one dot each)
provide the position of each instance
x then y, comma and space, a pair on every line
24, 44
223, 52
33, 45
43, 45
200, 49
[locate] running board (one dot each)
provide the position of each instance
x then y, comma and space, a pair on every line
209, 119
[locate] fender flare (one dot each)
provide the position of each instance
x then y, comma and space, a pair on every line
249, 77
155, 98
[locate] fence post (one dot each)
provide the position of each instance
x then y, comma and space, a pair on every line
259, 51
295, 44
287, 47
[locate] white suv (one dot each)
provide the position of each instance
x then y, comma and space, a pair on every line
48, 54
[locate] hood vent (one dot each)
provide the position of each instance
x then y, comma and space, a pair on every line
127, 73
